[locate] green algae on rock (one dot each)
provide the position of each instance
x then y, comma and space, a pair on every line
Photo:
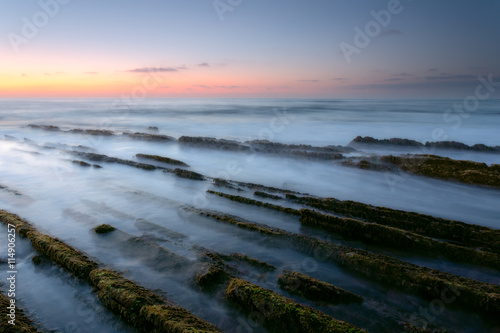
108, 159
135, 304
249, 201
412, 143
162, 159
104, 229
267, 195
426, 282
81, 163
151, 137
188, 174
213, 143
116, 291
22, 323
39, 259
64, 255
251, 261
281, 314
434, 166
211, 275
397, 238
463, 233
314, 289
168, 318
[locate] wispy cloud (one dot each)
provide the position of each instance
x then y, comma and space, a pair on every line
454, 81
201, 86
393, 79
230, 87
448, 77
92, 73
310, 81
432, 69
275, 87
402, 74
155, 69
340, 79
204, 64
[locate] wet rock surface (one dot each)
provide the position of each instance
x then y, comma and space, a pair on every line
135, 304
151, 137
314, 289
280, 313
22, 323
434, 166
398, 239
368, 140
462, 233
162, 159
425, 282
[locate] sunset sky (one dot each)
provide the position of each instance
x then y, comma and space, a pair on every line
248, 48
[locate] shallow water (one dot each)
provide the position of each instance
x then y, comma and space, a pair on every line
66, 200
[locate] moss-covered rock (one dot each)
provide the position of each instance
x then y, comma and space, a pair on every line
162, 159
22, 323
210, 276
104, 229
257, 203
135, 304
64, 255
398, 239
462, 233
22, 226
213, 143
81, 163
109, 159
151, 137
392, 141
126, 293
314, 289
412, 143
172, 319
45, 127
95, 132
426, 282
188, 174
39, 259
281, 314
252, 261
468, 172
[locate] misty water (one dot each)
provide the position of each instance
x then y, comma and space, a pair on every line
66, 201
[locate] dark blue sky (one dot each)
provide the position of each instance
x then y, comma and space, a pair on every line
272, 48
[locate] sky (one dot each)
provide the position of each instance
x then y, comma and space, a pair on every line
248, 48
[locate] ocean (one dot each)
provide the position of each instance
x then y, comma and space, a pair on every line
40, 183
